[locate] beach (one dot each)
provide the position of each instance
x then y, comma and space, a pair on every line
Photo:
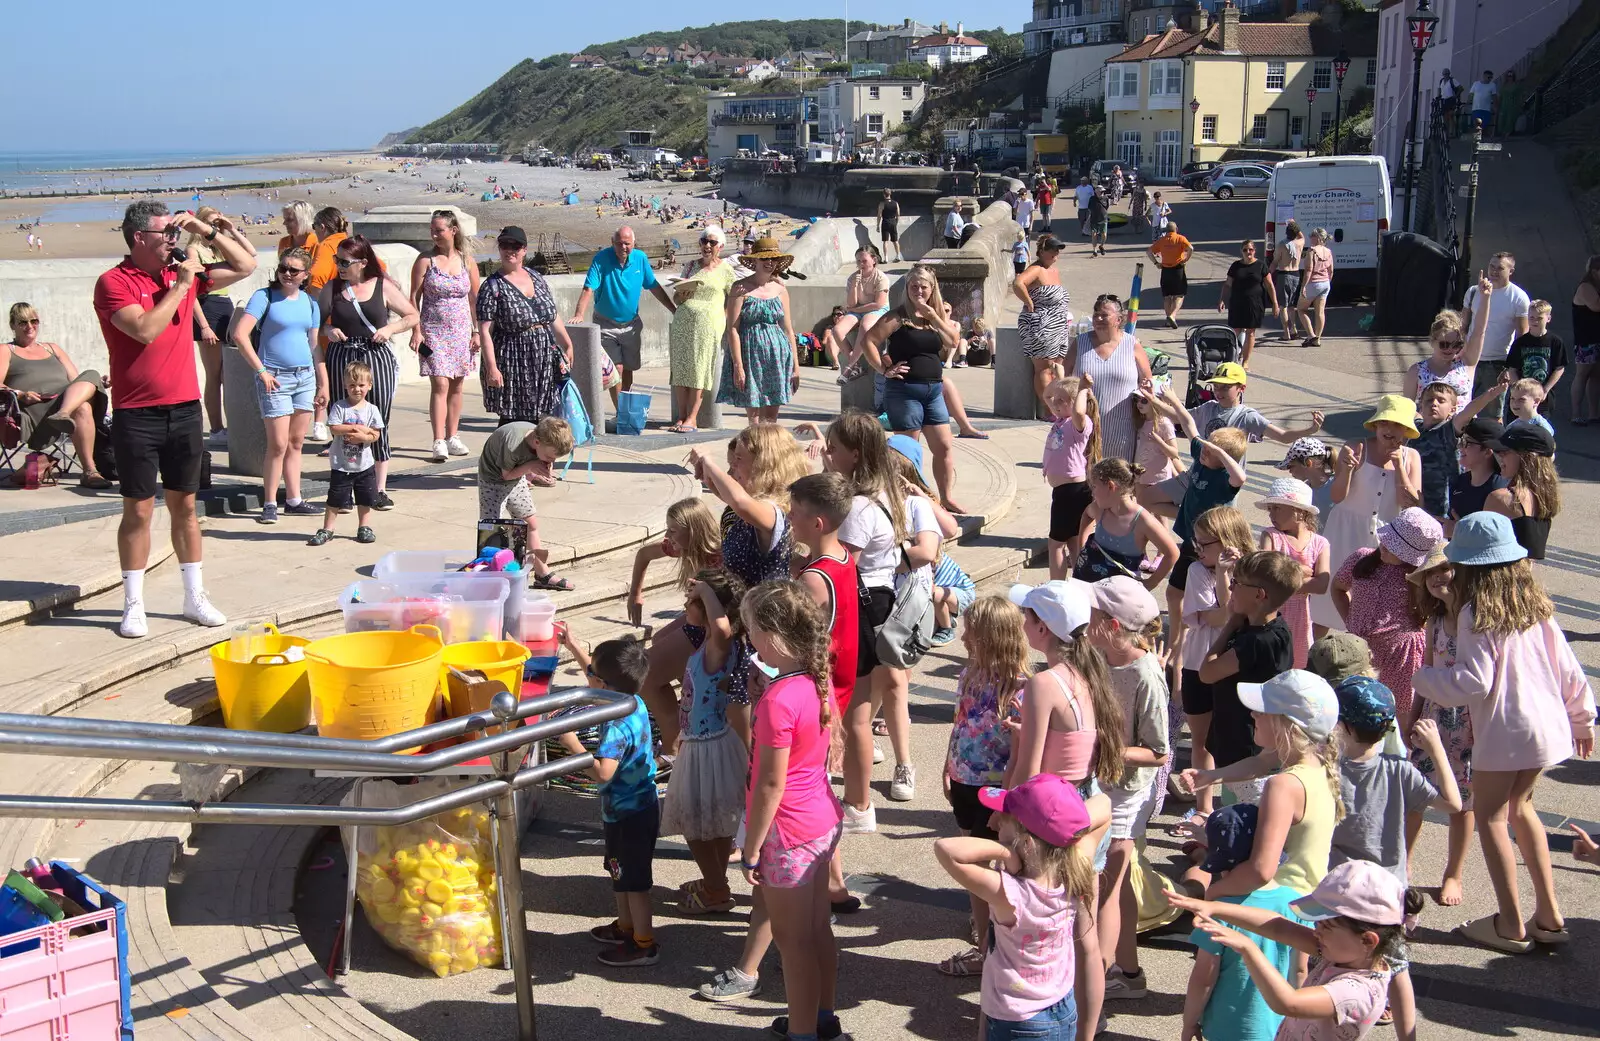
87, 226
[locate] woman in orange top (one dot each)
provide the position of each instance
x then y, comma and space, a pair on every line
328, 229
297, 222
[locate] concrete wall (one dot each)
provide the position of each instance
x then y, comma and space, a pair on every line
1069, 65
63, 291
837, 188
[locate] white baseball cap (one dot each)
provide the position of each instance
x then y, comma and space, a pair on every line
1063, 606
1302, 696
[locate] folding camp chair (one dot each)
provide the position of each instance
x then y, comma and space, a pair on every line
14, 446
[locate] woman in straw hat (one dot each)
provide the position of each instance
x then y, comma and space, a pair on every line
761, 369
1374, 480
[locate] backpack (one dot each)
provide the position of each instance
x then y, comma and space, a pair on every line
907, 634
577, 417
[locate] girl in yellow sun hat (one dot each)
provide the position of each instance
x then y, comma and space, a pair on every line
1374, 480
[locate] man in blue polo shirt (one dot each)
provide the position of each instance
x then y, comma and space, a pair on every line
616, 278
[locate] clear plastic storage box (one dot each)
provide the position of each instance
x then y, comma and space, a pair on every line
463, 606
438, 563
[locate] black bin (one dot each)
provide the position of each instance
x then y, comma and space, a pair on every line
1414, 281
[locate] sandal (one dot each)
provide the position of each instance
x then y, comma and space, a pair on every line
1552, 936
976, 435
1385, 1018
551, 580
695, 903
880, 727
1482, 931
968, 963
94, 479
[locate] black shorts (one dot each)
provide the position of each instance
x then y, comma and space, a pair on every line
972, 816
631, 849
1067, 505
346, 488
1174, 281
873, 613
1179, 577
164, 439
1196, 693
889, 231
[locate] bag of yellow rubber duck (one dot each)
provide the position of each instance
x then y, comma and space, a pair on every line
428, 888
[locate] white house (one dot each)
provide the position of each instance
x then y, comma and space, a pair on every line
757, 71
944, 48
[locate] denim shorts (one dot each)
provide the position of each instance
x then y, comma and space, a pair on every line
1315, 290
912, 406
1059, 1022
297, 392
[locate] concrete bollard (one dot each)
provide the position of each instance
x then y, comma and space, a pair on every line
247, 437
710, 415
860, 393
586, 352
1013, 378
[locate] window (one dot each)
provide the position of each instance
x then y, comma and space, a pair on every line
905, 115
1258, 129
1128, 146
1297, 126
1322, 75
872, 93
1129, 87
1208, 128
1166, 78
1327, 126
905, 92
1372, 72
875, 124
1274, 78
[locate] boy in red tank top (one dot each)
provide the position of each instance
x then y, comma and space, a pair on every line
818, 504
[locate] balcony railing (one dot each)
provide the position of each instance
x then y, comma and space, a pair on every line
1107, 13
767, 117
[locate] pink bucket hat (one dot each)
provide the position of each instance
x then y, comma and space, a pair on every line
1289, 491
1047, 805
1126, 600
1411, 536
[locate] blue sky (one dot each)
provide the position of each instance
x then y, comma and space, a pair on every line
245, 77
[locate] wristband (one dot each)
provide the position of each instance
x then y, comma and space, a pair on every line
749, 867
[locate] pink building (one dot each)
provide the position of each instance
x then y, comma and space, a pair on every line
1472, 36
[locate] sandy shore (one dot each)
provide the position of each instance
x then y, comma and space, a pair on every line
88, 226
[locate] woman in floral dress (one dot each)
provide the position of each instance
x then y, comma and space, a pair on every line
526, 351
697, 328
761, 368
444, 290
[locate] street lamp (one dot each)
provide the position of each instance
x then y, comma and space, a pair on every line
1311, 100
1194, 130
1341, 65
1421, 26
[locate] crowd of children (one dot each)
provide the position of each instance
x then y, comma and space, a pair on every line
1383, 647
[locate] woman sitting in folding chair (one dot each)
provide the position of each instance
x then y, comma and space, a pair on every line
54, 396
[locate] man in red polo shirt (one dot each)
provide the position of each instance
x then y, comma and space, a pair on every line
146, 307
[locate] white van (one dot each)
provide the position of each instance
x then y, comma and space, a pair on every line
1348, 195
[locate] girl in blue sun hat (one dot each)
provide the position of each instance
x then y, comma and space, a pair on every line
1532, 708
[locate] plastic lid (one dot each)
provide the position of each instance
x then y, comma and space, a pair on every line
511, 568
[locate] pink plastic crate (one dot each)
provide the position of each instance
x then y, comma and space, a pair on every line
69, 988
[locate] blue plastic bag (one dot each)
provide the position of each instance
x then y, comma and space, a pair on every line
577, 417
633, 411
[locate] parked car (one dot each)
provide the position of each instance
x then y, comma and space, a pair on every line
1195, 175
1249, 179
1100, 173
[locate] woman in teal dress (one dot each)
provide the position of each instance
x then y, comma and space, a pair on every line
697, 327
761, 369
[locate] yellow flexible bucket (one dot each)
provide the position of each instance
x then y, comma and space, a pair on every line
372, 684
497, 659
269, 692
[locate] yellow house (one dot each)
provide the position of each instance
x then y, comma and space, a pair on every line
1191, 94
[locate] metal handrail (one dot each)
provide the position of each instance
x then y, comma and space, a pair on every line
50, 735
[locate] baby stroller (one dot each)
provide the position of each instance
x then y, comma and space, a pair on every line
1208, 346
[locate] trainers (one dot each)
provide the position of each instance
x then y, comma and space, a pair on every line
383, 502
365, 534
133, 621
904, 786
877, 753
628, 955
200, 610
219, 439
321, 538
269, 514
457, 446
860, 822
301, 509
1119, 985
319, 433
943, 635
441, 451
610, 934
732, 985
827, 1029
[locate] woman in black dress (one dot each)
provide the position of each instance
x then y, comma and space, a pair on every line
1248, 295
526, 351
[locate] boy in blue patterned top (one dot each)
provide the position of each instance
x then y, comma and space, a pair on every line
953, 593
630, 812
